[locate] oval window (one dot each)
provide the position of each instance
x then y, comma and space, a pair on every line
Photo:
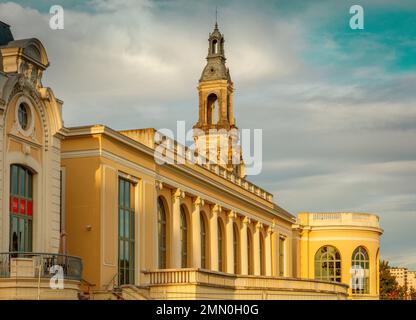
23, 116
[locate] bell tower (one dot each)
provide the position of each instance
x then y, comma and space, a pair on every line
216, 122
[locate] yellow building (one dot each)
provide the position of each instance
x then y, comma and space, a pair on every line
178, 230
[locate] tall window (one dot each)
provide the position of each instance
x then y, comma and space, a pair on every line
328, 264
262, 264
281, 256
203, 242
161, 219
220, 246
184, 239
21, 209
360, 264
250, 252
236, 249
126, 233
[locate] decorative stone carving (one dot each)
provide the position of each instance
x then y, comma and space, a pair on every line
217, 208
232, 216
159, 185
259, 225
31, 74
199, 202
246, 220
178, 193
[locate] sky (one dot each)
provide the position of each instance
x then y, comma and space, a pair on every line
337, 106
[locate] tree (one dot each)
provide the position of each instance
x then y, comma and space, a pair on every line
412, 293
389, 288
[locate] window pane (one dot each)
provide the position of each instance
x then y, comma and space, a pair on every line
14, 244
21, 235
132, 233
121, 223
22, 182
14, 180
29, 186
121, 193
29, 233
126, 223
127, 202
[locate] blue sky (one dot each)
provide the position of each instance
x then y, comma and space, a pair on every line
337, 106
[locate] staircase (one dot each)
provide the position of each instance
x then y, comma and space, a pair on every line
132, 292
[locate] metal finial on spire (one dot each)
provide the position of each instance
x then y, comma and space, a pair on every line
216, 17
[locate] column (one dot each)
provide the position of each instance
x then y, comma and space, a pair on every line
243, 246
256, 249
213, 230
230, 242
175, 228
276, 252
196, 233
268, 251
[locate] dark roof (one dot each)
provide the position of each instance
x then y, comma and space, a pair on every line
5, 34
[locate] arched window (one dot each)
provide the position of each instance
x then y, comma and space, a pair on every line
21, 209
212, 103
236, 249
262, 262
360, 267
184, 239
204, 240
328, 264
250, 252
220, 246
161, 216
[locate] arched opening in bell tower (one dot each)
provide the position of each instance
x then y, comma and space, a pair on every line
212, 105
214, 47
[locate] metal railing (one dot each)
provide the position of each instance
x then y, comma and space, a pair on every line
42, 264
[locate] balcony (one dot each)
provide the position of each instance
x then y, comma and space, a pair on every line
205, 284
34, 276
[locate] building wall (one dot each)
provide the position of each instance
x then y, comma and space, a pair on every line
400, 274
94, 161
404, 277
